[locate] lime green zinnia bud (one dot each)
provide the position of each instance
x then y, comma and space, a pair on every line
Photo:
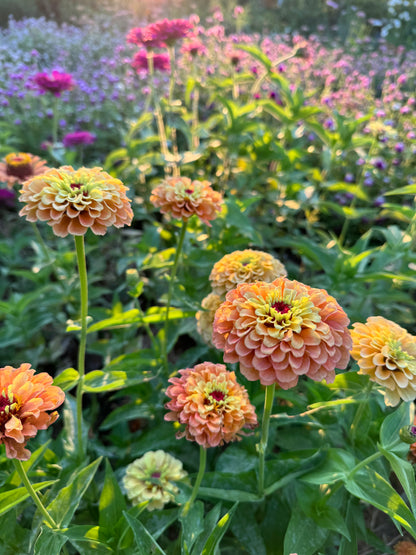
151, 478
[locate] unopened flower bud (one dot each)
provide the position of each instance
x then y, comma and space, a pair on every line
408, 434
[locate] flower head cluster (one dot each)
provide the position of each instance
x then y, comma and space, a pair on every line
181, 198
211, 404
161, 62
151, 478
281, 330
232, 269
72, 201
205, 317
78, 138
194, 47
160, 34
387, 354
244, 267
19, 166
55, 82
25, 398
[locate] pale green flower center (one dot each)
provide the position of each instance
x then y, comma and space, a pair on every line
400, 357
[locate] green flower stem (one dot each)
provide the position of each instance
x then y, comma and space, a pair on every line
26, 482
55, 120
157, 111
170, 291
363, 463
201, 472
262, 446
360, 411
171, 51
195, 118
82, 268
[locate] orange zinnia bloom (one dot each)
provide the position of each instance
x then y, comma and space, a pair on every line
17, 167
212, 405
181, 198
72, 201
244, 267
405, 548
24, 399
387, 353
281, 330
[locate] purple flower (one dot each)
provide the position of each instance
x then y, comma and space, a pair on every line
379, 201
55, 83
6, 197
78, 138
399, 147
380, 164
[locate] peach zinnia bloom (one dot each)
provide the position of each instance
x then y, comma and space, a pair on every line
387, 353
24, 399
281, 330
244, 267
73, 201
181, 198
205, 317
405, 548
212, 405
19, 166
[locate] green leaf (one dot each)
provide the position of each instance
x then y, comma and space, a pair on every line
231, 486
370, 487
256, 53
407, 190
11, 498
49, 541
303, 536
112, 502
209, 525
88, 539
144, 540
192, 526
67, 379
245, 528
405, 473
390, 428
70, 432
154, 315
27, 465
217, 534
336, 466
66, 502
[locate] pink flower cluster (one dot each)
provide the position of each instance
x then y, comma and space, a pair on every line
160, 34
78, 138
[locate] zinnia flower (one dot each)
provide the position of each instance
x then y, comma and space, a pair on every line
72, 201
405, 548
194, 48
211, 404
19, 166
140, 61
160, 34
151, 478
387, 354
205, 317
24, 399
55, 83
244, 267
182, 198
281, 330
78, 138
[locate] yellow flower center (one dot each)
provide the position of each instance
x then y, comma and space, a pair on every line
288, 313
18, 165
9, 405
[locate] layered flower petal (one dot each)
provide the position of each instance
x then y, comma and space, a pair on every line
24, 399
17, 167
281, 330
244, 266
73, 201
151, 478
211, 404
386, 353
181, 198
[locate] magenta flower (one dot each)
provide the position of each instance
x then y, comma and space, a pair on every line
140, 61
78, 138
160, 34
55, 83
